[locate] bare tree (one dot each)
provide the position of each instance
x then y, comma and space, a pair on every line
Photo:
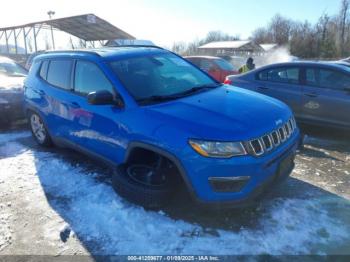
280, 29
179, 48
214, 36
322, 26
262, 35
343, 23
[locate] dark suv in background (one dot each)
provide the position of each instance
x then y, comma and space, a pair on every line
317, 92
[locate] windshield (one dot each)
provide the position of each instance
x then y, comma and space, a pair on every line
159, 75
12, 69
223, 64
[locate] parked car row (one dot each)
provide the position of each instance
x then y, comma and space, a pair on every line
162, 121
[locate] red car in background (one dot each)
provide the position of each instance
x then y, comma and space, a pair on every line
217, 67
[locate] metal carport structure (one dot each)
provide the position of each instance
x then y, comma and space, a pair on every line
87, 27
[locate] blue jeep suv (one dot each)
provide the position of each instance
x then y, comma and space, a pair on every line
160, 122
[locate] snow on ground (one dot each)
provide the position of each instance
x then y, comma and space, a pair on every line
63, 201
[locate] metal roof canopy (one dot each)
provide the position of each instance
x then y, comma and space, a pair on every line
88, 27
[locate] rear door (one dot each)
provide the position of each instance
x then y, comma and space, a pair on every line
282, 83
326, 96
57, 91
97, 128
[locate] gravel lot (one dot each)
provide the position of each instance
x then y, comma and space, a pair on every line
58, 202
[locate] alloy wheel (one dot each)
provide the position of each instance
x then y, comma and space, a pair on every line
38, 128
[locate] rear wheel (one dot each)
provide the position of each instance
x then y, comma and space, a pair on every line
39, 130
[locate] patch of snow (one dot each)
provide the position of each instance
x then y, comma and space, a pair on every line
5, 229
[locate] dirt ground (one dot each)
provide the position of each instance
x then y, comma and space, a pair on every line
57, 202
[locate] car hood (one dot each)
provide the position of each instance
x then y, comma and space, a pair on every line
11, 84
226, 113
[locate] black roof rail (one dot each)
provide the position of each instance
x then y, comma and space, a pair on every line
95, 51
153, 46
74, 51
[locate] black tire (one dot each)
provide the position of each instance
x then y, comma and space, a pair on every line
46, 140
150, 197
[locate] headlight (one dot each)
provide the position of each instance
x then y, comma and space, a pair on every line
218, 149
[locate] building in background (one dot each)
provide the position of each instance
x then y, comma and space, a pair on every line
231, 48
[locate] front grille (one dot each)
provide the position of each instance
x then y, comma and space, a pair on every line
275, 138
268, 142
257, 147
282, 134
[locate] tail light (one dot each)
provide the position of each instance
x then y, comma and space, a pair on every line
228, 81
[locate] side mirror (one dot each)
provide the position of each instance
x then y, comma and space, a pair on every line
103, 97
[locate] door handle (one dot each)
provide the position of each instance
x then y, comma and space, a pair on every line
39, 92
311, 94
263, 87
74, 105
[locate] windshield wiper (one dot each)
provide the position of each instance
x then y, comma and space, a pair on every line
158, 98
198, 88
151, 99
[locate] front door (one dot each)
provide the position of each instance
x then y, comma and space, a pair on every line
97, 127
282, 83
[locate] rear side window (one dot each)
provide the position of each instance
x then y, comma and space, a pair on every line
205, 64
327, 78
280, 75
59, 73
194, 61
43, 69
311, 77
223, 64
89, 78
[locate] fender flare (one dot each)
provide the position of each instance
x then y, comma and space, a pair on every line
142, 145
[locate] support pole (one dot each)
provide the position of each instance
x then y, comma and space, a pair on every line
7, 42
25, 40
15, 37
35, 44
52, 39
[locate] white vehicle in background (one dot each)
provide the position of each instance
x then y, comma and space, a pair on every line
12, 76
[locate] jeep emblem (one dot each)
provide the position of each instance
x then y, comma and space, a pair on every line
278, 122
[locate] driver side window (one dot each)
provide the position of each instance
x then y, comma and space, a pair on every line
89, 78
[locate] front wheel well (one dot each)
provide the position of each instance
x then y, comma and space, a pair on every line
147, 156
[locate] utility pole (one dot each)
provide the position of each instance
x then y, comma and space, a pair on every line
51, 14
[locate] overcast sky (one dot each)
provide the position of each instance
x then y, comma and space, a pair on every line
166, 21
